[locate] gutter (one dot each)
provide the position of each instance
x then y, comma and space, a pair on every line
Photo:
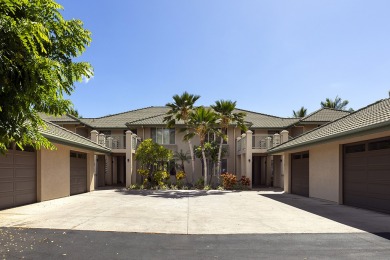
79, 145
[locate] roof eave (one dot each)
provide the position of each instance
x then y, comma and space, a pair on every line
55, 139
365, 130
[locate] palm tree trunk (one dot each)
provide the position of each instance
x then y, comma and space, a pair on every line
219, 160
192, 161
204, 166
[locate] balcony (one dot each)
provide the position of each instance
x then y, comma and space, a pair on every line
117, 143
260, 142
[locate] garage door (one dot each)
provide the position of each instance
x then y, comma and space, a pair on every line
78, 173
300, 174
18, 178
366, 176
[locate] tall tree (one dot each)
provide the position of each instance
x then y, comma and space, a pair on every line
37, 48
180, 110
225, 111
337, 103
300, 113
201, 122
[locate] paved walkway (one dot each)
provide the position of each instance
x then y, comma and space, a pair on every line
196, 212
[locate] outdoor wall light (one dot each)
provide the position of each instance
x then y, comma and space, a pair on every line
249, 160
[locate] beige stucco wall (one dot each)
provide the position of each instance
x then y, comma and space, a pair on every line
53, 172
324, 172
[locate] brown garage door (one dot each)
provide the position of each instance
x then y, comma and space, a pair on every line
366, 176
18, 178
300, 174
78, 173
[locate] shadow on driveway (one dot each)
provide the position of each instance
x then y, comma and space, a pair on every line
370, 221
173, 194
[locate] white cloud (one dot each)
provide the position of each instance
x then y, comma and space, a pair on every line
86, 80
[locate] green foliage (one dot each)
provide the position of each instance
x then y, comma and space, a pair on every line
300, 113
153, 159
337, 103
180, 175
180, 109
201, 122
37, 48
160, 177
207, 187
199, 184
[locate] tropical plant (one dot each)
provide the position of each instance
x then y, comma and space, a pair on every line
300, 113
229, 180
180, 110
183, 157
337, 103
201, 122
225, 111
154, 159
212, 152
37, 68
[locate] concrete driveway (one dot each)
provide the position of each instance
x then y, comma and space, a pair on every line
196, 212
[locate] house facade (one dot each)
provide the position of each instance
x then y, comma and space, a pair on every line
247, 153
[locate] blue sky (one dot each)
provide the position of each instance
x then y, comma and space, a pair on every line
269, 56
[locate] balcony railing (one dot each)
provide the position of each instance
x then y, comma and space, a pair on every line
262, 141
116, 141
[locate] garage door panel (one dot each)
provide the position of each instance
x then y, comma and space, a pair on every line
23, 199
6, 173
300, 174
78, 173
6, 160
27, 160
6, 201
18, 180
379, 188
366, 176
24, 173
6, 186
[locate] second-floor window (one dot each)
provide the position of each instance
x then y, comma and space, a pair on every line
163, 135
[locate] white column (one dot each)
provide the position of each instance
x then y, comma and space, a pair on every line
269, 142
284, 136
115, 170
248, 156
276, 140
94, 136
108, 177
129, 159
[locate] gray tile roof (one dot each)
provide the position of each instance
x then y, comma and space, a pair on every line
120, 120
56, 133
374, 116
259, 120
59, 119
325, 115
155, 116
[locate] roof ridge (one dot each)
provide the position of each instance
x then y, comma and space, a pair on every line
140, 119
258, 113
133, 110
68, 131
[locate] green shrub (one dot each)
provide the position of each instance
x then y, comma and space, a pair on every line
207, 187
229, 180
199, 184
160, 177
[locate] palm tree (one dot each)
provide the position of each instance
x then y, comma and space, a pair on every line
338, 103
225, 111
300, 113
182, 157
180, 110
201, 122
